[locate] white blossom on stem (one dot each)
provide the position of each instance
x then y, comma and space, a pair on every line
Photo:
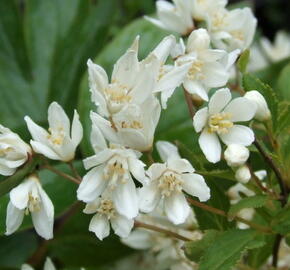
176, 16
218, 121
112, 167
236, 155
14, 152
29, 197
232, 29
106, 214
168, 181
208, 68
61, 139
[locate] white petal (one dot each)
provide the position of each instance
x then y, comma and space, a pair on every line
163, 49
197, 88
200, 119
241, 109
215, 75
57, 118
20, 194
180, 165
98, 78
14, 218
125, 199
43, 149
93, 206
139, 239
219, 100
238, 134
126, 68
149, 197
136, 167
98, 159
156, 170
122, 226
4, 170
38, 133
167, 150
26, 267
76, 129
48, 265
195, 185
44, 218
210, 146
97, 139
176, 208
92, 185
100, 226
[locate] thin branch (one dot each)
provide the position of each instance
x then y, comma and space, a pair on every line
150, 227
189, 103
62, 174
276, 247
224, 214
74, 171
276, 170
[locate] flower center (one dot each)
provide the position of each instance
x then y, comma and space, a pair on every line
238, 34
194, 71
218, 20
107, 208
220, 123
170, 182
56, 136
4, 150
33, 203
132, 124
116, 170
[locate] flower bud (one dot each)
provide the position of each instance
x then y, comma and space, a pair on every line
13, 151
236, 155
262, 113
243, 174
198, 40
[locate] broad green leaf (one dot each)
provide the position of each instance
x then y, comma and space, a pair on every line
283, 119
194, 250
283, 83
248, 202
228, 248
243, 61
222, 174
16, 249
281, 222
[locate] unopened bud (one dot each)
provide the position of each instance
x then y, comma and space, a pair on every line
236, 155
243, 174
262, 113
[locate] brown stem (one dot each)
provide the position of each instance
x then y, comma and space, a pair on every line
74, 171
150, 227
62, 174
276, 247
189, 103
276, 170
224, 214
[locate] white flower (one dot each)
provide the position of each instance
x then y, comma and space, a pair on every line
262, 113
261, 174
112, 167
247, 214
243, 174
235, 191
236, 155
61, 140
106, 213
175, 17
201, 8
14, 151
232, 29
280, 49
48, 265
218, 121
208, 68
29, 197
168, 180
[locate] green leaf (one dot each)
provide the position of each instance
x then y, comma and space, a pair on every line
17, 178
248, 202
194, 250
283, 117
283, 83
250, 82
243, 61
228, 248
222, 174
281, 222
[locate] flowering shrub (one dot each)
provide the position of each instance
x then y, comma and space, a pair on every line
181, 153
